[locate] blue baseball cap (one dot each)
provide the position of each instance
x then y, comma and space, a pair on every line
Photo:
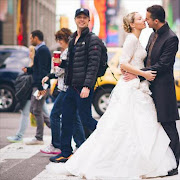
82, 10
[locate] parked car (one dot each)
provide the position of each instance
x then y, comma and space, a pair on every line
12, 59
105, 84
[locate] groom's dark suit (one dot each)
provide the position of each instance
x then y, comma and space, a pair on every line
162, 59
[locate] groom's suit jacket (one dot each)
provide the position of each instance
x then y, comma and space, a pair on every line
162, 60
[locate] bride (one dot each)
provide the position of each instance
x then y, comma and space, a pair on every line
128, 142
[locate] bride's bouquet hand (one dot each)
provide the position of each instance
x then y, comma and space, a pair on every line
150, 75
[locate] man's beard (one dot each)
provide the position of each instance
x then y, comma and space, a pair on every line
33, 43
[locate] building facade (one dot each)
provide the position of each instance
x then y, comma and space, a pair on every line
20, 17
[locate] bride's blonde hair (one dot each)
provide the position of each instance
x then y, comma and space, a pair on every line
32, 51
129, 18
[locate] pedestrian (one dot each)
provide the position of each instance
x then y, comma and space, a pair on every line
41, 67
80, 75
128, 142
25, 108
62, 37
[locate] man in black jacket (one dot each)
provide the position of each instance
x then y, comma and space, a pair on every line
161, 58
41, 67
80, 76
161, 49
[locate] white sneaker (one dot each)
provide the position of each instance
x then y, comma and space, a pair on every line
50, 150
14, 139
34, 141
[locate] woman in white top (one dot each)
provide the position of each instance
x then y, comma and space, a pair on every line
62, 37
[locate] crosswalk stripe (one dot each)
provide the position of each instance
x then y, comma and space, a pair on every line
46, 175
21, 150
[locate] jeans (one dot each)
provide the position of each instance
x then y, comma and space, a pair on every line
55, 119
41, 118
25, 117
73, 103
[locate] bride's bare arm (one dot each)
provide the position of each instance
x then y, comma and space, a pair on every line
129, 76
149, 75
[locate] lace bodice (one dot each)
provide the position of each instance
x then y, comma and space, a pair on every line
133, 52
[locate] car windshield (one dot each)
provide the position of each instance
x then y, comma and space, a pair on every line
14, 58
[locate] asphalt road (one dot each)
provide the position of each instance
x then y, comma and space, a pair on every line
21, 162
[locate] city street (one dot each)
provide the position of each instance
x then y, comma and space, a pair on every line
21, 162
75, 41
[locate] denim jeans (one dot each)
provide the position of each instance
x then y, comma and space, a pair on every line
73, 103
25, 117
55, 119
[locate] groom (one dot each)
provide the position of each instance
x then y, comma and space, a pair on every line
161, 48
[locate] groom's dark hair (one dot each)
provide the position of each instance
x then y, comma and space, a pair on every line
157, 12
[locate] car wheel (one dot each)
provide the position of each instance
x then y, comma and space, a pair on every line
7, 98
101, 99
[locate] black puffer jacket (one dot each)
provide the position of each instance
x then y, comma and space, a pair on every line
79, 70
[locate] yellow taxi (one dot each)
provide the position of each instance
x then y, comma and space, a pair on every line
105, 84
177, 77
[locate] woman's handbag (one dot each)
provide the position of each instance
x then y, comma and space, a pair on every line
32, 120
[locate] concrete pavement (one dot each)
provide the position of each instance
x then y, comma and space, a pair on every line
21, 162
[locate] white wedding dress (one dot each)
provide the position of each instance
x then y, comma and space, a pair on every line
128, 142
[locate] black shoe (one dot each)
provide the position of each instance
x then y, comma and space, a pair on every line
53, 159
173, 172
62, 159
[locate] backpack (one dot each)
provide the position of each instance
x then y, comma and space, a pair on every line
104, 57
23, 88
